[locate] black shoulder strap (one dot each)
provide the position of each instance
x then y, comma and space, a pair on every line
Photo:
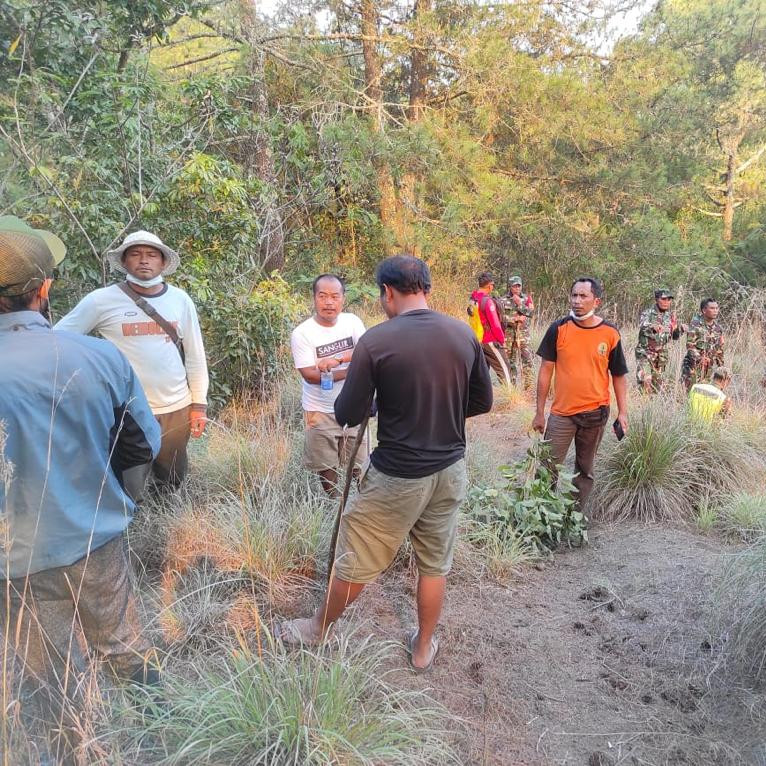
152, 313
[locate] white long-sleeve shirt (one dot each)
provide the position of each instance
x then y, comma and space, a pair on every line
169, 385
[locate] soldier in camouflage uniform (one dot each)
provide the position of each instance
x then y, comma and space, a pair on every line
704, 345
656, 328
518, 309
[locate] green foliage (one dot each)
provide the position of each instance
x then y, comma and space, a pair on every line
313, 708
247, 334
530, 506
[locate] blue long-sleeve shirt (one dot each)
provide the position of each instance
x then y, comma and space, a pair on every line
73, 416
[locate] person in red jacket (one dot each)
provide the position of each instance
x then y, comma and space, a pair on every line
494, 337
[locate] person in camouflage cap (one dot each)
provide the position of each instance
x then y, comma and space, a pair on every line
704, 345
518, 309
656, 328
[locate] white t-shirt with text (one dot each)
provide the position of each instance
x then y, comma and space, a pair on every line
310, 342
169, 384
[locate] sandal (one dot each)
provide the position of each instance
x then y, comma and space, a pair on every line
410, 646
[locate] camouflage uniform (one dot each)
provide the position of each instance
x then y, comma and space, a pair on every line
655, 331
704, 351
517, 340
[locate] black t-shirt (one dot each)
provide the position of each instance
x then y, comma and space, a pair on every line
428, 373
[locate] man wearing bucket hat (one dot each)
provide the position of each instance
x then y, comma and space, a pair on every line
518, 309
656, 328
156, 326
73, 418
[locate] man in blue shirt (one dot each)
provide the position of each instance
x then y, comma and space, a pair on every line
73, 417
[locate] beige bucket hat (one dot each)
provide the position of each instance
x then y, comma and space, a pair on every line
27, 256
172, 259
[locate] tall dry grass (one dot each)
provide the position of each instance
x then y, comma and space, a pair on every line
741, 596
244, 543
669, 465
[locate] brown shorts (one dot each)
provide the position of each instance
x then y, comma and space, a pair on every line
387, 510
327, 445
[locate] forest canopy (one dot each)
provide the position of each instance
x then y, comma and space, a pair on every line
533, 137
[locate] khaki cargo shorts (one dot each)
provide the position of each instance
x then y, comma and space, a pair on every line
387, 510
327, 445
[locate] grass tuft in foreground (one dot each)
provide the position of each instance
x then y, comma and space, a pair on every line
742, 608
307, 707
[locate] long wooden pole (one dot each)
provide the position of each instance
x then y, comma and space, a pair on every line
344, 496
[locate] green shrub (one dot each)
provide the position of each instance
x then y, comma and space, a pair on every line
741, 596
247, 331
306, 707
529, 506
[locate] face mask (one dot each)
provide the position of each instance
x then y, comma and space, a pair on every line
584, 316
153, 282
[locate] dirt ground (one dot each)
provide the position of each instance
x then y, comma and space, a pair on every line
603, 656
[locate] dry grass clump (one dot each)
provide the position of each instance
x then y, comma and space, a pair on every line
669, 465
307, 707
743, 516
742, 611
272, 537
193, 607
486, 548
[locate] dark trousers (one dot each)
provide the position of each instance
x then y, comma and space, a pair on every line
172, 463
497, 359
51, 618
586, 429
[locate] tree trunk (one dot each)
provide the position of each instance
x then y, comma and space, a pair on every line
728, 205
419, 71
374, 93
122, 62
272, 240
419, 65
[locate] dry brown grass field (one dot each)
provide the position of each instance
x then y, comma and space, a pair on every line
646, 646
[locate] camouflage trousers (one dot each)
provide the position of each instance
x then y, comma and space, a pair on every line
650, 372
696, 370
521, 359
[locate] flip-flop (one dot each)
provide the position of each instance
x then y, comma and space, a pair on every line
410, 646
297, 633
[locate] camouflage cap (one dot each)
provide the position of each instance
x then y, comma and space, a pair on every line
515, 280
663, 292
27, 256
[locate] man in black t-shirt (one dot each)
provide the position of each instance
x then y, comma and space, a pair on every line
429, 374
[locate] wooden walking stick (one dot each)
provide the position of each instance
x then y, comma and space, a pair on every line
346, 490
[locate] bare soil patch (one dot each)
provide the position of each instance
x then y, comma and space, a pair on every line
603, 656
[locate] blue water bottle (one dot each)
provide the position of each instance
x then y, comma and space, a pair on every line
325, 380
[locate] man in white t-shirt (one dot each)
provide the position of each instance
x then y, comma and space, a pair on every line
173, 375
322, 347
